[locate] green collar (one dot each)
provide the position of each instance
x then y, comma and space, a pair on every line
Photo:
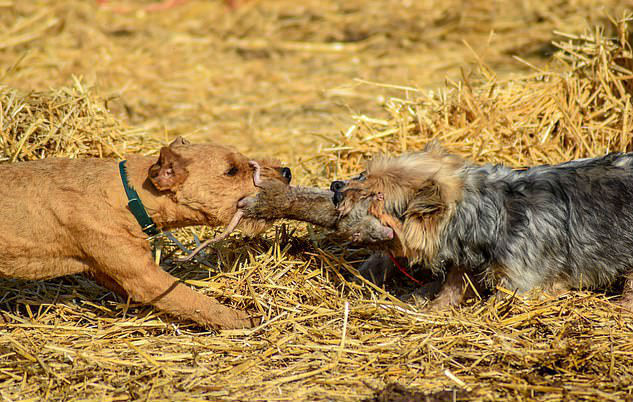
136, 206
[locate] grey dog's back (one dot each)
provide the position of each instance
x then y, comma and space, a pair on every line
570, 223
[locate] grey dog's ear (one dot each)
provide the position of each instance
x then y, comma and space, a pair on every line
422, 220
169, 172
434, 147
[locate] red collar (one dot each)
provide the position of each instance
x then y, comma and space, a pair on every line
404, 271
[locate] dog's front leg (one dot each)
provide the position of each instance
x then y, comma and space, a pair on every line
454, 291
378, 269
135, 272
109, 283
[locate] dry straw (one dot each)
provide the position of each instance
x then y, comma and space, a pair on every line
69, 122
580, 107
325, 336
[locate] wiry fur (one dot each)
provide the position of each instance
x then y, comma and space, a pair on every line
419, 189
563, 226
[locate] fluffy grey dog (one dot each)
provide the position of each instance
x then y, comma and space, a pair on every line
559, 227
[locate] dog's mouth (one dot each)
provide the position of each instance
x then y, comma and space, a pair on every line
244, 201
362, 219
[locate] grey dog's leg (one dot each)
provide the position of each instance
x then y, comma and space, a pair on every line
454, 291
377, 269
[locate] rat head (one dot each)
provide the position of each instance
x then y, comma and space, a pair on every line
362, 227
210, 179
415, 194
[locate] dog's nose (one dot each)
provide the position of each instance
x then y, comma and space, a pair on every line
337, 185
338, 197
286, 173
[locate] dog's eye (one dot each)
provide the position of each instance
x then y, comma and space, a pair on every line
232, 171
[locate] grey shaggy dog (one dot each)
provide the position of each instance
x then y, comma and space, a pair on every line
553, 226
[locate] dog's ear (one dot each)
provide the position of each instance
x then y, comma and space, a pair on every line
179, 141
169, 171
423, 219
434, 147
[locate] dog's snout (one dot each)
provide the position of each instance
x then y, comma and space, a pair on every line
286, 173
337, 198
337, 185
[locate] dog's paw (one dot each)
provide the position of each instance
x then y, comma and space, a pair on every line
241, 320
444, 300
423, 295
438, 305
377, 269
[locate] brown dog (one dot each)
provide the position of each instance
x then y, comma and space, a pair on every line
61, 217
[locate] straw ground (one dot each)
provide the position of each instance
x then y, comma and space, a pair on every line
278, 78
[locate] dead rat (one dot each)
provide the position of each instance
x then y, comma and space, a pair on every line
277, 200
